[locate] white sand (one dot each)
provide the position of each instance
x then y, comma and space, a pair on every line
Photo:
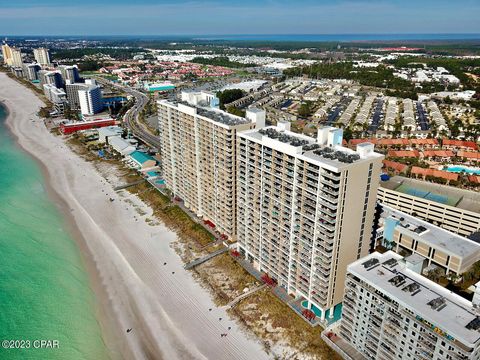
169, 313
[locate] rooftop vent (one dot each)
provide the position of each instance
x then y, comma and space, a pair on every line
283, 137
474, 324
397, 280
437, 303
311, 147
420, 229
332, 154
412, 288
390, 262
369, 263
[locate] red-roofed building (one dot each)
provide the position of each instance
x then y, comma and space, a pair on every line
404, 153
391, 142
470, 155
424, 143
85, 125
474, 179
435, 173
396, 166
444, 154
459, 144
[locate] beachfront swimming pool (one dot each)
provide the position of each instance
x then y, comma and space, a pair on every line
458, 169
337, 312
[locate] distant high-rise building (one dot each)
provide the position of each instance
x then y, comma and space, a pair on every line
70, 73
57, 96
305, 209
42, 56
390, 311
72, 94
90, 98
7, 54
18, 71
16, 59
199, 149
50, 77
31, 71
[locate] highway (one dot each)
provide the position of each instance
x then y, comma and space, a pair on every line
131, 116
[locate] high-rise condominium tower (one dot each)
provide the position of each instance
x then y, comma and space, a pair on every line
305, 209
199, 156
42, 56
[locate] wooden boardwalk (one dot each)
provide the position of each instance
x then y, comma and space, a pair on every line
121, 187
199, 261
243, 296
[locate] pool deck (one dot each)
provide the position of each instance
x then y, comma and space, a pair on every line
460, 198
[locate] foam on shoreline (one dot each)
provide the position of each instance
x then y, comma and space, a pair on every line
166, 309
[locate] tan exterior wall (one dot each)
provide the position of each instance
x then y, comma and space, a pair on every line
199, 164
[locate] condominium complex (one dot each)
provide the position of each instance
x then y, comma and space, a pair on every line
31, 71
90, 98
433, 246
11, 56
7, 54
70, 73
73, 91
72, 94
453, 209
392, 312
199, 156
42, 56
16, 57
51, 78
57, 96
305, 209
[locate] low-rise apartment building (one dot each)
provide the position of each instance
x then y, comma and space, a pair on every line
453, 209
438, 247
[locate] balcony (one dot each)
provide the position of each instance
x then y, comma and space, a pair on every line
330, 183
330, 176
330, 206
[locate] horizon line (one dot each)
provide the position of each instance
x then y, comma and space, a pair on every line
262, 34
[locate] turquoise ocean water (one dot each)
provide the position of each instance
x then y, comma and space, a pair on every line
44, 289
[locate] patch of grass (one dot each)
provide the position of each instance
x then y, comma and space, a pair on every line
271, 319
225, 277
172, 215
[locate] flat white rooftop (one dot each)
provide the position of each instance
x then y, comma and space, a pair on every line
306, 147
433, 235
210, 113
439, 306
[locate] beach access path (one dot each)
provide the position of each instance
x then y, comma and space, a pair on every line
139, 280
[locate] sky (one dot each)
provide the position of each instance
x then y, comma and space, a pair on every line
215, 17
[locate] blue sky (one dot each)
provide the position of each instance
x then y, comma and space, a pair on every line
143, 17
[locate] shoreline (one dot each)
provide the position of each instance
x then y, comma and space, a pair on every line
168, 311
101, 313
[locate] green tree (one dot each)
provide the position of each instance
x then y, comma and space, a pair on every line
228, 96
305, 109
236, 111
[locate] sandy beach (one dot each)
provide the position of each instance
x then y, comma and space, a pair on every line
167, 310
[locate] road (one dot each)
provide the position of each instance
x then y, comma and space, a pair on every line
131, 116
